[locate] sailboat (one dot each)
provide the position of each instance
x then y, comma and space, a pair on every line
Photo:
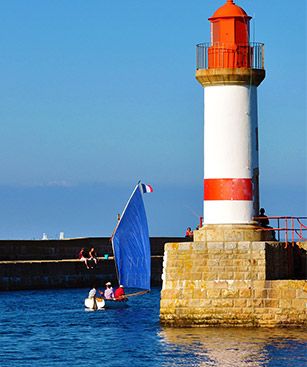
131, 249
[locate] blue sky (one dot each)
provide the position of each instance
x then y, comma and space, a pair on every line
97, 94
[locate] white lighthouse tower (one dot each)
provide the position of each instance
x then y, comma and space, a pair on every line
230, 68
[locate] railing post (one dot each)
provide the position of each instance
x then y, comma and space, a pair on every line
301, 228
286, 231
293, 230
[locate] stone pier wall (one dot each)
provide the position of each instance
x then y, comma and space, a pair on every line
68, 248
43, 264
233, 284
48, 274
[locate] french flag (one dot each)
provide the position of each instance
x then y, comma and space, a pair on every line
146, 188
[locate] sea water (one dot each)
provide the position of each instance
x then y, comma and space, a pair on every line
52, 328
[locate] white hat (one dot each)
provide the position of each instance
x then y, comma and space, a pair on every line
108, 283
121, 286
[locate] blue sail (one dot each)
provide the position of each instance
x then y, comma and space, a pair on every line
131, 244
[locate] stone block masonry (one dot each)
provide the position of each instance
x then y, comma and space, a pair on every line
232, 284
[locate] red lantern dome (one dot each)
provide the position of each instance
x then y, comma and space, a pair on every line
229, 37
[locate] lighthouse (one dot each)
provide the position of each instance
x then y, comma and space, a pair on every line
234, 272
230, 68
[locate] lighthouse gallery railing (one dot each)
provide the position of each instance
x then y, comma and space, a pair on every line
222, 55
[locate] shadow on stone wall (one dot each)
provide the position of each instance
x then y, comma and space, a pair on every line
285, 262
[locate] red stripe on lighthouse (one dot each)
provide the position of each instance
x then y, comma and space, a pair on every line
228, 189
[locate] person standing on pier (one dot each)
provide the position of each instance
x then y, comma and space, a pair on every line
189, 233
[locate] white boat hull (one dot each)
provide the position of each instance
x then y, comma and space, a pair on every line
94, 303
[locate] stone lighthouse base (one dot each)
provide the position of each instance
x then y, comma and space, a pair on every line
234, 283
234, 232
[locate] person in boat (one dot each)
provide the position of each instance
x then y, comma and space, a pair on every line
92, 295
92, 292
82, 257
109, 292
93, 257
119, 294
